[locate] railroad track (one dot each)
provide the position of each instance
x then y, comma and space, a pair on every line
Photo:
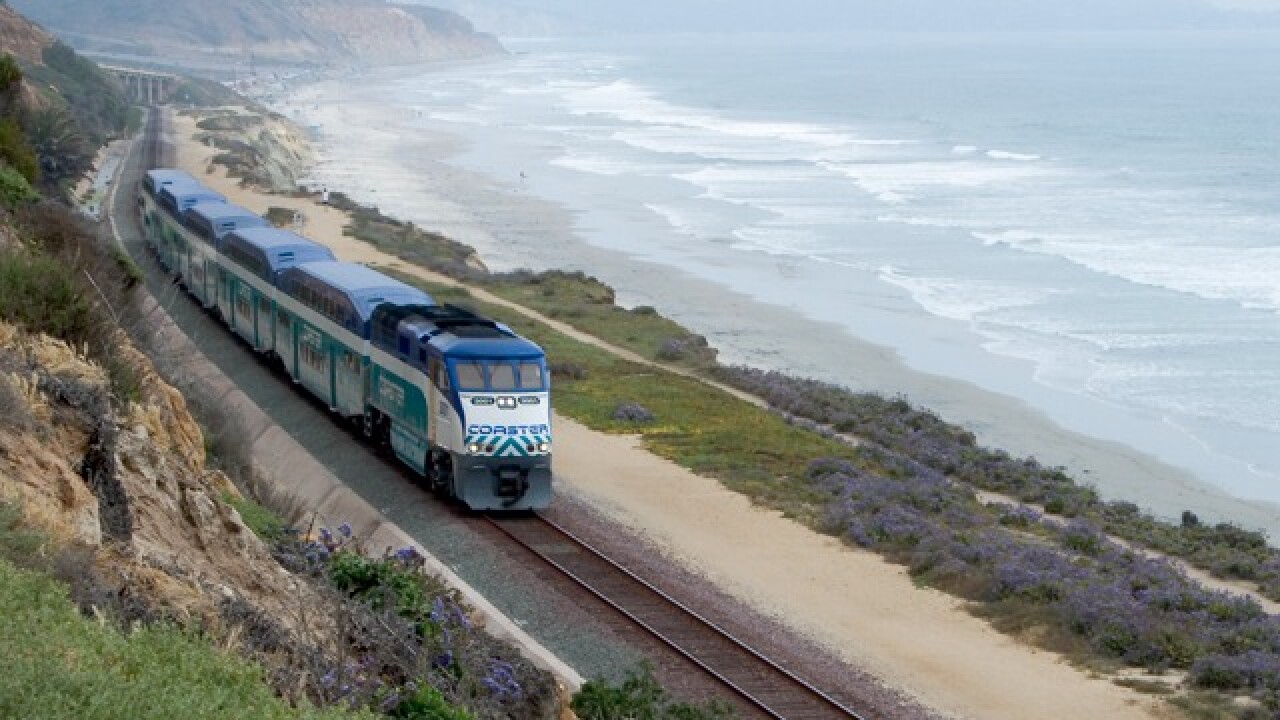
756, 680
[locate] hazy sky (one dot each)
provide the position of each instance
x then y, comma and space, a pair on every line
1248, 4
537, 16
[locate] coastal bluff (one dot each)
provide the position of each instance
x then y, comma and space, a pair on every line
363, 32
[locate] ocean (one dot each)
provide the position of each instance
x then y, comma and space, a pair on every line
1089, 224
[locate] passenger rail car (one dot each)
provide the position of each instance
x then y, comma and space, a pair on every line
175, 199
249, 263
459, 398
153, 218
465, 401
204, 225
322, 327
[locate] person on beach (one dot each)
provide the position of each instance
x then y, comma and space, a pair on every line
324, 195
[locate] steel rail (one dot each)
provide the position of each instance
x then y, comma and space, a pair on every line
827, 705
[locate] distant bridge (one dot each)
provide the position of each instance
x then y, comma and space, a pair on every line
145, 86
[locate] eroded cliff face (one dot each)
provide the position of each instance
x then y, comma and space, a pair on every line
376, 33
22, 38
372, 32
126, 482
264, 150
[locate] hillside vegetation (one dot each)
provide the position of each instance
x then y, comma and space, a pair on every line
56, 108
138, 579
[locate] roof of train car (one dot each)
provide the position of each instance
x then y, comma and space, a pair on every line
214, 211
180, 191
366, 287
273, 238
169, 175
513, 346
458, 332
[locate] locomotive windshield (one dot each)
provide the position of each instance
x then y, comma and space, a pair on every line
499, 375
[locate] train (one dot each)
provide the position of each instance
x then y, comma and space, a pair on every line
459, 398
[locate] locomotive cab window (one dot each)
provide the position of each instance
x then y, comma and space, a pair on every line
531, 376
502, 376
470, 375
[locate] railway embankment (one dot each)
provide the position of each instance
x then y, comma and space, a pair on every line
130, 547
914, 490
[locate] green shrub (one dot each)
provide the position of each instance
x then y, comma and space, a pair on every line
37, 293
427, 703
639, 697
264, 523
281, 216
14, 189
129, 270
15, 150
384, 583
10, 73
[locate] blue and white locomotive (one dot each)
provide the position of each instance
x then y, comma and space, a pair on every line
459, 398
463, 400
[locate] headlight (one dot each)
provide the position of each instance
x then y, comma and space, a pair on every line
474, 448
544, 447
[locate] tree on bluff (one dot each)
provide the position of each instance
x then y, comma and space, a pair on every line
15, 151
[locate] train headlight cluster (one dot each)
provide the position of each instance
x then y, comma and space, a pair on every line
474, 448
544, 447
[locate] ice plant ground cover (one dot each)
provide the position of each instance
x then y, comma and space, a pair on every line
1070, 579
1223, 549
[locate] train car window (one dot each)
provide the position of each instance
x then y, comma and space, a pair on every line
502, 376
530, 376
470, 375
422, 355
404, 345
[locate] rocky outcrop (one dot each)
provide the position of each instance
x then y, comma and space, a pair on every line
264, 150
126, 481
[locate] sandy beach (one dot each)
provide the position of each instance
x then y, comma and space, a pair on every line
851, 602
512, 227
